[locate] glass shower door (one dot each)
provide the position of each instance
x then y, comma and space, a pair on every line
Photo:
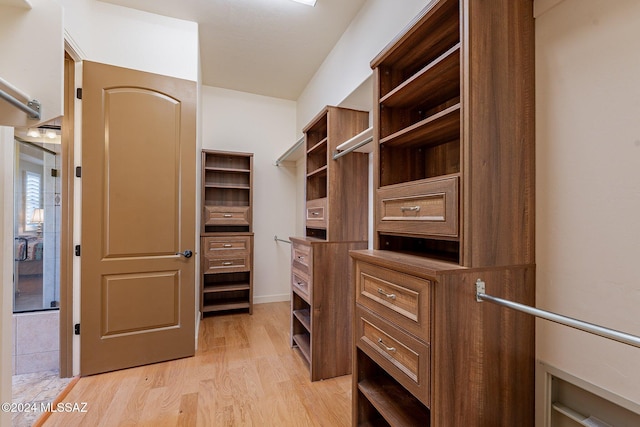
36, 227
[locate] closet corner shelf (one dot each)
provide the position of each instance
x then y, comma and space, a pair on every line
304, 344
318, 171
317, 146
304, 316
231, 170
440, 127
441, 75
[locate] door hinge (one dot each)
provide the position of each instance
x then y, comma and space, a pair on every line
76, 329
77, 250
54, 172
79, 93
78, 171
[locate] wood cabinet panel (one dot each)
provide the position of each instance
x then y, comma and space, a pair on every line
226, 215
321, 286
403, 299
330, 215
466, 338
428, 207
226, 239
317, 213
236, 263
301, 258
404, 357
484, 350
226, 254
454, 151
225, 246
301, 284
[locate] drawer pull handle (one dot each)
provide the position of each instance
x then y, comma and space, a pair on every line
227, 263
410, 208
228, 215
390, 296
299, 283
300, 257
315, 213
383, 345
227, 245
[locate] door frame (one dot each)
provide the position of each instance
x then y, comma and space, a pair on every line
67, 215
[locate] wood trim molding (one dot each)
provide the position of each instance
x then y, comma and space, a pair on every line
66, 232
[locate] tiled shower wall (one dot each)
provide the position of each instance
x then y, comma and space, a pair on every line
36, 342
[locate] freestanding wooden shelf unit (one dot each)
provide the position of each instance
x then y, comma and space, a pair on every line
226, 232
335, 223
454, 181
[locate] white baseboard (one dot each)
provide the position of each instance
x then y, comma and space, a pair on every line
271, 298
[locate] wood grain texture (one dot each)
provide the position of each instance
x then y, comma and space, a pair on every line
343, 182
498, 134
479, 56
330, 303
244, 373
138, 207
483, 354
226, 231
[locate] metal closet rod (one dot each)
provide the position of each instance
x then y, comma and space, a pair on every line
591, 328
32, 108
277, 239
290, 151
338, 154
367, 134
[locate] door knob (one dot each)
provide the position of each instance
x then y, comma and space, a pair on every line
186, 254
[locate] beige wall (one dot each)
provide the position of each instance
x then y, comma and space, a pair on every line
588, 187
238, 121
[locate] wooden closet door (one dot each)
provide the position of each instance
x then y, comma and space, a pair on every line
138, 214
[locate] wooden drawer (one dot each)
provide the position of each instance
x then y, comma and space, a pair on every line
427, 207
226, 254
404, 357
301, 284
225, 246
398, 297
226, 215
317, 213
301, 258
225, 265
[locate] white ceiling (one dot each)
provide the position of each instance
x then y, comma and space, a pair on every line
266, 47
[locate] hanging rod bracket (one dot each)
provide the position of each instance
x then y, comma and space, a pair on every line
35, 106
32, 108
480, 289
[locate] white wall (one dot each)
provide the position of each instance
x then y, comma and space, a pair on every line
31, 48
36, 70
588, 187
238, 121
347, 65
345, 74
117, 35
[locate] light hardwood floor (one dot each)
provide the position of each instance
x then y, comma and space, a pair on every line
243, 374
